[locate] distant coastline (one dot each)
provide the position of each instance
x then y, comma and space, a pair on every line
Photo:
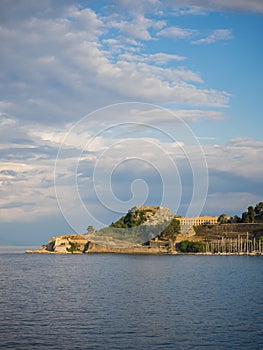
16, 249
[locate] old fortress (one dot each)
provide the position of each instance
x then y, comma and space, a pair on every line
159, 212
156, 213
198, 220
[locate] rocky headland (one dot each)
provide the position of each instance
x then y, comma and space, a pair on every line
131, 234
155, 230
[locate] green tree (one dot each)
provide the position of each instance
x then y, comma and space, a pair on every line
222, 219
90, 229
73, 247
132, 219
183, 246
191, 247
245, 217
251, 214
171, 230
235, 219
259, 211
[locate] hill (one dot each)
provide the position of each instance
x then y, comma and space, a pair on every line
139, 225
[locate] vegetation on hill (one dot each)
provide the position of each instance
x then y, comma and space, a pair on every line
133, 218
252, 215
172, 230
141, 224
73, 247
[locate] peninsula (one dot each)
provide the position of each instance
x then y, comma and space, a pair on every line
155, 230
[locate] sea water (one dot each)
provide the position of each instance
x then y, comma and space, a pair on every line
130, 302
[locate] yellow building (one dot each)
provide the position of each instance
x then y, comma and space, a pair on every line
198, 220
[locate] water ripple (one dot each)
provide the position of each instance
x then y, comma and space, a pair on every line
130, 302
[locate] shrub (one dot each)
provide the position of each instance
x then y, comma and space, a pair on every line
191, 247
73, 247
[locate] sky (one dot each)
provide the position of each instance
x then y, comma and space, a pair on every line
105, 105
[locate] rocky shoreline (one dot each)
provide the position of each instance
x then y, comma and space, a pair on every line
81, 244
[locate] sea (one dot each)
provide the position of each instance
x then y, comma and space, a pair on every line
66, 302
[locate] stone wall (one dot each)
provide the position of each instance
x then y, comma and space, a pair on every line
95, 248
162, 215
63, 244
230, 230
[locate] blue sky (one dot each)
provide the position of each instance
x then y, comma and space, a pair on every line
155, 102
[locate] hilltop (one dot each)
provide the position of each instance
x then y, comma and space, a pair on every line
143, 215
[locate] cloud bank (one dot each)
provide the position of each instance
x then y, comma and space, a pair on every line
62, 60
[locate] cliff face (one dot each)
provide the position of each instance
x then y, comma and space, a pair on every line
69, 244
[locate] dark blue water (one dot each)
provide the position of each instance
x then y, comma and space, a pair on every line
130, 302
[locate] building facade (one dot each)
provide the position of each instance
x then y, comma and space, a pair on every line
198, 220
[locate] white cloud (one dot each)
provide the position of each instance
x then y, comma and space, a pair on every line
243, 157
87, 22
159, 58
66, 67
216, 35
156, 116
184, 7
176, 33
136, 7
6, 120
189, 10
27, 166
194, 114
138, 28
231, 5
61, 62
163, 58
